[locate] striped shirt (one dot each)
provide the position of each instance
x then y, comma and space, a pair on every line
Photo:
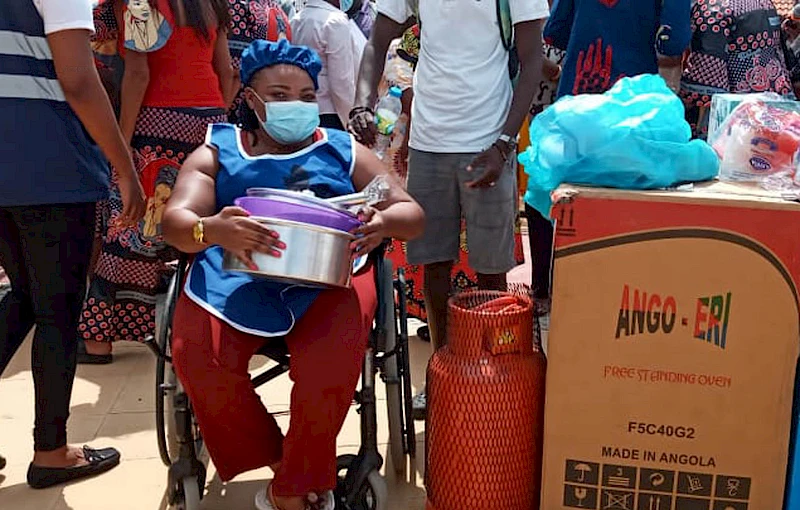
46, 156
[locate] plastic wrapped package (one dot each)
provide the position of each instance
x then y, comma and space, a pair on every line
722, 106
632, 137
759, 143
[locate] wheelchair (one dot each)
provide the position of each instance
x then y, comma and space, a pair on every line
360, 485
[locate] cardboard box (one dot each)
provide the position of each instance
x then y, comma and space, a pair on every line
673, 347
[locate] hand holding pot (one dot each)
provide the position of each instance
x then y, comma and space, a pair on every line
234, 230
372, 233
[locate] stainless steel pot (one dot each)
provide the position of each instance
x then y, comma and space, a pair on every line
314, 256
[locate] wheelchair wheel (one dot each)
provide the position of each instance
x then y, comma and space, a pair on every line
394, 388
189, 498
405, 364
373, 495
165, 379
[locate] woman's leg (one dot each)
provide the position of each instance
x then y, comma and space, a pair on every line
16, 308
56, 241
211, 360
327, 349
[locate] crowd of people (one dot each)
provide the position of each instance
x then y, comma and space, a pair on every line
130, 127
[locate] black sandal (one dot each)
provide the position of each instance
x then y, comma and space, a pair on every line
84, 358
99, 461
2, 462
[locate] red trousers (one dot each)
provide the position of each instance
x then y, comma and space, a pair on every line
326, 347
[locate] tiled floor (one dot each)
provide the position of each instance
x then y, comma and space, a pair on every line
114, 406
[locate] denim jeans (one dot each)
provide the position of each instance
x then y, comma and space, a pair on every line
45, 251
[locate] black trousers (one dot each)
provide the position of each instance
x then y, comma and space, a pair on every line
540, 237
45, 251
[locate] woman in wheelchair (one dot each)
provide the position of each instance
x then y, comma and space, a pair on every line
223, 318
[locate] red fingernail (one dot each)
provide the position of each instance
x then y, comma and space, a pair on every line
275, 253
274, 234
281, 245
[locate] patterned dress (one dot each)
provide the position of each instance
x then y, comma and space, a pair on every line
546, 92
132, 266
251, 20
736, 48
784, 7
105, 46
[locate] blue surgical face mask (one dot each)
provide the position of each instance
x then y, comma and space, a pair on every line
345, 5
290, 122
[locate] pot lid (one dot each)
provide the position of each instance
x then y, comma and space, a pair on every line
299, 198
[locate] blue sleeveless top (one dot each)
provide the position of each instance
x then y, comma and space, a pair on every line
251, 304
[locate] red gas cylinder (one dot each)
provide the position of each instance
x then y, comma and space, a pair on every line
485, 407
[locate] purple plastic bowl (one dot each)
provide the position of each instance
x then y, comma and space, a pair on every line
303, 213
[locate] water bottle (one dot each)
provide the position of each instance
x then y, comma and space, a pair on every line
386, 115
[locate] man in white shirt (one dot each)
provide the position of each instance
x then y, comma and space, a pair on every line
466, 116
324, 26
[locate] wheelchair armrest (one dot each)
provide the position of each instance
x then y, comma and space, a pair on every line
378, 253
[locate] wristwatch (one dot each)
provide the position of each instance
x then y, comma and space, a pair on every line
506, 144
508, 140
199, 232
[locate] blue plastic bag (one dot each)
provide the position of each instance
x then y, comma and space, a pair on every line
632, 137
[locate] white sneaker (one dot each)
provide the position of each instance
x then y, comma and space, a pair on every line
327, 501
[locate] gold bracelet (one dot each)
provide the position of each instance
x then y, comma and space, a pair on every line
199, 232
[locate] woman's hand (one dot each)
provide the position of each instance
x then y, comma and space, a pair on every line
233, 229
371, 233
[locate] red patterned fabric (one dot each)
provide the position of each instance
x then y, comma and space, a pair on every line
132, 266
784, 7
736, 48
251, 20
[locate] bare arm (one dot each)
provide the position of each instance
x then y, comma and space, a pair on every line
551, 70
401, 216
373, 62
384, 31
192, 198
77, 75
528, 37
135, 80
229, 82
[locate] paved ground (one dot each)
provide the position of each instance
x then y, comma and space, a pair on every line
114, 405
